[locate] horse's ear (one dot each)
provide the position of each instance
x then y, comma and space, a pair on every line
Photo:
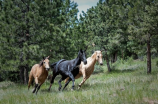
48, 57
43, 58
86, 48
81, 51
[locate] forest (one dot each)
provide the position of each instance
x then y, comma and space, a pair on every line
32, 29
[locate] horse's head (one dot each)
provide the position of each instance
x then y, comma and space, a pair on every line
45, 63
82, 56
99, 57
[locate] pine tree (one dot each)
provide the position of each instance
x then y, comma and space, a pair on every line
33, 29
143, 24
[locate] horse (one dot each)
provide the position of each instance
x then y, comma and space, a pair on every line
39, 72
67, 68
87, 70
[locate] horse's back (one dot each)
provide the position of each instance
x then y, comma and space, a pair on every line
34, 67
66, 63
59, 62
35, 70
53, 65
65, 66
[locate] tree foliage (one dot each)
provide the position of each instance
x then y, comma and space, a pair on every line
31, 29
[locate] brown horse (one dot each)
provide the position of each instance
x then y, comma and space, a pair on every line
39, 72
87, 70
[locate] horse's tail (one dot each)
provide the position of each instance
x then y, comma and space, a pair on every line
53, 65
30, 80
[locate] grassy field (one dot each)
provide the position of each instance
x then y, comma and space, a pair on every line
128, 83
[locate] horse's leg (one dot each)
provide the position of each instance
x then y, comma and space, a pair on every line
36, 84
84, 79
38, 88
71, 77
66, 79
59, 82
67, 83
52, 80
78, 76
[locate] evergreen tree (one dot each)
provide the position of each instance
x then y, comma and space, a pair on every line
143, 24
31, 29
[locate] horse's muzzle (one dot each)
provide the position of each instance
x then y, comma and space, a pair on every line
47, 69
85, 62
101, 63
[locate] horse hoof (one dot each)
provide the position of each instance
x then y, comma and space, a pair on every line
59, 88
79, 87
33, 91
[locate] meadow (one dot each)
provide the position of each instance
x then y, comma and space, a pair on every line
128, 83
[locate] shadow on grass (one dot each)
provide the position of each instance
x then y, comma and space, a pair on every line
57, 91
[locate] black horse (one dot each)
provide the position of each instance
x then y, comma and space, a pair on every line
67, 68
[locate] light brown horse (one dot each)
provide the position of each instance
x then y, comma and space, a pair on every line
87, 70
39, 72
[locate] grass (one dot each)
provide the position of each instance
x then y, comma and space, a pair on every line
128, 83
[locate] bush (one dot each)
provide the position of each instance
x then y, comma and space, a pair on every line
9, 75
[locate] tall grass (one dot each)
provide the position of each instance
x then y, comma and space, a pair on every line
128, 83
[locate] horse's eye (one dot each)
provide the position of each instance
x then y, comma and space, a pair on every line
98, 56
44, 62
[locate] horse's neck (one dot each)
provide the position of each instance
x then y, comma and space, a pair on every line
93, 59
77, 61
43, 69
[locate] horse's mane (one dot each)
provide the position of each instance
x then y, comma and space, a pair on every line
41, 63
93, 54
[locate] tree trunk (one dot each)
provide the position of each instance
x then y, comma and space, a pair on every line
112, 58
27, 36
21, 74
148, 56
25, 74
107, 60
122, 55
115, 56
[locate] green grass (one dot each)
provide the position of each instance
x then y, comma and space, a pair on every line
128, 83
